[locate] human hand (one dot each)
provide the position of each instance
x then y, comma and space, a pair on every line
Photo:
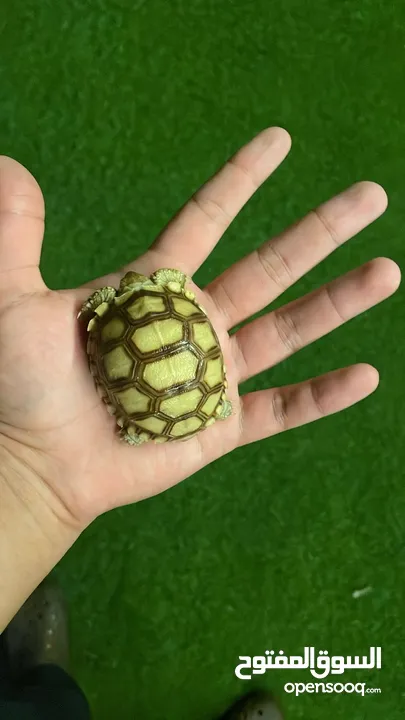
51, 418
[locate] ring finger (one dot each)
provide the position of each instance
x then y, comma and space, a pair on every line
267, 412
269, 339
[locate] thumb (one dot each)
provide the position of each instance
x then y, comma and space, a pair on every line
22, 214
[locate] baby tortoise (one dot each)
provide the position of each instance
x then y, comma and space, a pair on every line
155, 358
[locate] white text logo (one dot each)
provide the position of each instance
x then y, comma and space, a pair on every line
320, 666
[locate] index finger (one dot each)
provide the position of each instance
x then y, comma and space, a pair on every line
193, 232
196, 228
21, 230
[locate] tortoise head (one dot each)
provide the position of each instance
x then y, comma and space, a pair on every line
132, 281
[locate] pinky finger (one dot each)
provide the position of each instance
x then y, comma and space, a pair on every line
269, 412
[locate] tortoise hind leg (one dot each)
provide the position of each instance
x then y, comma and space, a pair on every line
130, 436
224, 409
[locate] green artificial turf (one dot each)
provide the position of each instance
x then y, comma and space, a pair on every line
121, 109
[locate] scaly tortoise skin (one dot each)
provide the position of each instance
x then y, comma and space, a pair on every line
155, 358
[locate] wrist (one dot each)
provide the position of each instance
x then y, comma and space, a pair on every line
35, 531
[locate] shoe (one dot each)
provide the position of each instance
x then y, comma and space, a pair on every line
38, 634
255, 706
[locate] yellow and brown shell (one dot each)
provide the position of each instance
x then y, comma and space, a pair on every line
156, 359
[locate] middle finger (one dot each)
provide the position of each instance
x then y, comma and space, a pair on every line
269, 339
259, 278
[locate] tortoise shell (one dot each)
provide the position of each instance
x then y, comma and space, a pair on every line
158, 363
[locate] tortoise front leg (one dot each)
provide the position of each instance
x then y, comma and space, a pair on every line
104, 295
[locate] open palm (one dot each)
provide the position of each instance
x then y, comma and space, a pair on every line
50, 414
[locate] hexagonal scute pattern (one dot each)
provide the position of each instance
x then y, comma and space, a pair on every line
144, 305
181, 404
172, 370
210, 404
185, 307
214, 373
157, 335
183, 427
203, 336
118, 364
153, 424
133, 401
113, 329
